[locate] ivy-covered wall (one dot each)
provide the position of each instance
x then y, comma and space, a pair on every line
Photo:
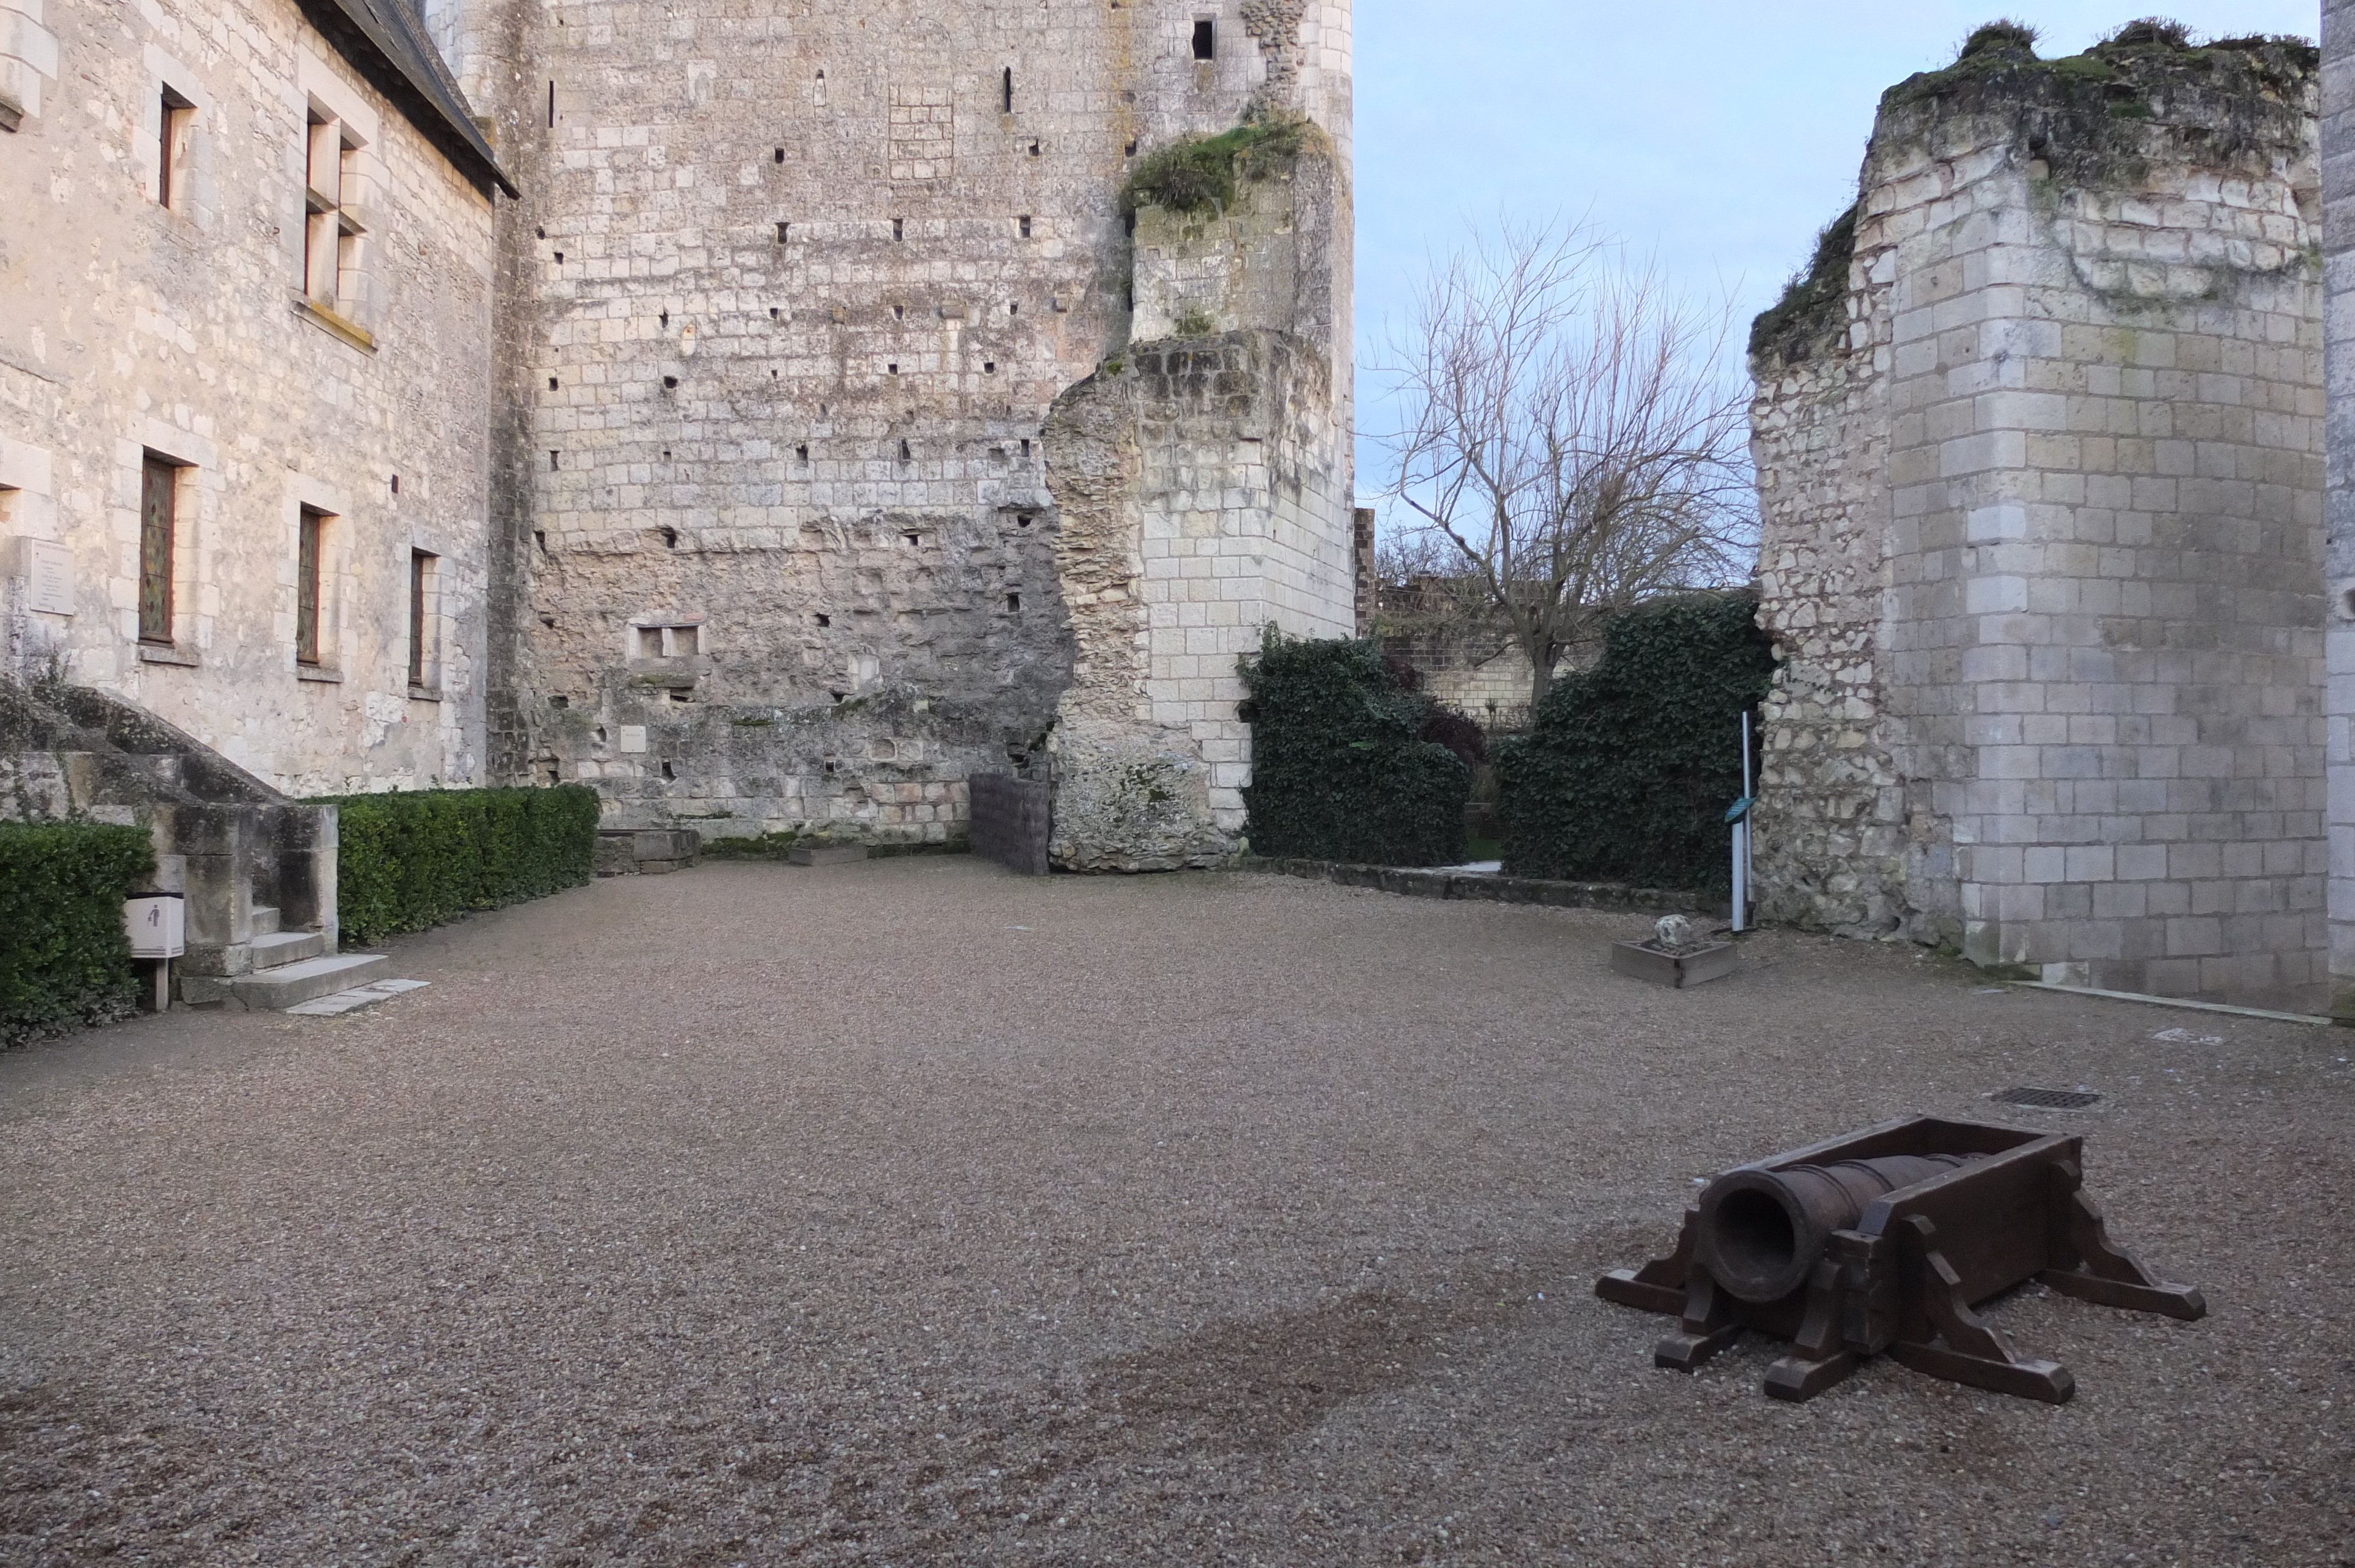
1628, 767
1340, 766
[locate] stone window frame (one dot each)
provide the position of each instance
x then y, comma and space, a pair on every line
28, 57
677, 637
174, 133
425, 618
340, 227
310, 498
197, 476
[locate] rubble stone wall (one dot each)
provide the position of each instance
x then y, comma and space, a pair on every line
1830, 832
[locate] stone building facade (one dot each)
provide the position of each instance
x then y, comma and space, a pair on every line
849, 441
2039, 453
245, 382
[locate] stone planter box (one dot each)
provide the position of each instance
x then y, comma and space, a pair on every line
1678, 970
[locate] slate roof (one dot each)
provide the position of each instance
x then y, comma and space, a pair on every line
386, 42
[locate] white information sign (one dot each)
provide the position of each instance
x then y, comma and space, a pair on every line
49, 576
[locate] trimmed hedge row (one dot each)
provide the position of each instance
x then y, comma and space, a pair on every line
1340, 769
1628, 767
418, 858
64, 959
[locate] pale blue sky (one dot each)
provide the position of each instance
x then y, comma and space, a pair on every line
1718, 135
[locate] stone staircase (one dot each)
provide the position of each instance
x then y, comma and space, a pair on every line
289, 967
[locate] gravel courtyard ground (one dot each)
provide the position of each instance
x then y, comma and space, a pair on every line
912, 1213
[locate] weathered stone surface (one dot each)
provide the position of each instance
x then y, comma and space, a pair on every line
787, 301
1125, 802
2043, 546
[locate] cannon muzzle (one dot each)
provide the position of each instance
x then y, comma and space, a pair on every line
1761, 1232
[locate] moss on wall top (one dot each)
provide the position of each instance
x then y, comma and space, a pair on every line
2096, 118
1197, 173
1813, 304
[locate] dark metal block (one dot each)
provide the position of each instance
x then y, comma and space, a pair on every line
1012, 820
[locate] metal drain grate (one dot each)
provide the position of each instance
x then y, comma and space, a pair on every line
2050, 1099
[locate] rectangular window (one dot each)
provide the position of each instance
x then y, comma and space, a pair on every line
158, 506
331, 229
421, 617
172, 149
673, 641
306, 586
1206, 39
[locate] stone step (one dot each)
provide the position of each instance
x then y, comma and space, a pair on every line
275, 990
281, 948
352, 1001
265, 919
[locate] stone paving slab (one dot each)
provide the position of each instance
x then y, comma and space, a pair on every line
352, 1001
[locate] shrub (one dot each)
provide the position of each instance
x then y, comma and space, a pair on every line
1460, 733
2006, 39
64, 959
1197, 173
1628, 767
409, 861
1339, 768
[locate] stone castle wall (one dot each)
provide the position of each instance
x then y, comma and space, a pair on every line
2052, 683
789, 297
1831, 832
2338, 284
133, 327
1209, 460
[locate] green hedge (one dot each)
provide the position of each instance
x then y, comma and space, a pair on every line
418, 858
1339, 768
1628, 767
64, 959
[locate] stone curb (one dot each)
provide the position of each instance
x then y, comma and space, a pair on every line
1496, 889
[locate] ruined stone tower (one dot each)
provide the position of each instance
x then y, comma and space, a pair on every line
2039, 452
794, 528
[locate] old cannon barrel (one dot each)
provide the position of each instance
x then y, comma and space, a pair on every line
1761, 1232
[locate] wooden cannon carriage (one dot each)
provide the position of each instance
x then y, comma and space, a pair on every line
1884, 1240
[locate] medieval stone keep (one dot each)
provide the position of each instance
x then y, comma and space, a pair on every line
856, 434
2040, 449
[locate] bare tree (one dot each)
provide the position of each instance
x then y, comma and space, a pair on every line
1570, 441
